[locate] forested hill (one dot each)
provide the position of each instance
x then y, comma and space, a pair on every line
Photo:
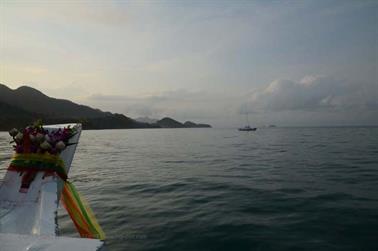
24, 105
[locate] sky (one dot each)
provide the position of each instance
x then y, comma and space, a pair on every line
289, 63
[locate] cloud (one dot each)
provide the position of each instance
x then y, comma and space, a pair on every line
181, 104
80, 13
312, 100
314, 93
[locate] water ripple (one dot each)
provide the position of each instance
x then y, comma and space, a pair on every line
275, 189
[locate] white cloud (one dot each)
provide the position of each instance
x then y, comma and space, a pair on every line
315, 93
181, 104
313, 100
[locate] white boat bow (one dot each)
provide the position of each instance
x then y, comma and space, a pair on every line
28, 221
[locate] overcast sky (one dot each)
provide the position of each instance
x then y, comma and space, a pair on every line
284, 62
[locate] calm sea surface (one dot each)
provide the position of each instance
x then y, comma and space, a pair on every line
221, 189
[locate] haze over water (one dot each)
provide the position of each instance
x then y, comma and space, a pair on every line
220, 189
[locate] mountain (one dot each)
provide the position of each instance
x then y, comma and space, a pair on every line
12, 116
204, 125
32, 100
169, 123
23, 105
190, 124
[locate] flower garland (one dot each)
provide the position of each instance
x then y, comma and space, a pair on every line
35, 139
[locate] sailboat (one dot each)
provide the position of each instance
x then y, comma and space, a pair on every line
247, 128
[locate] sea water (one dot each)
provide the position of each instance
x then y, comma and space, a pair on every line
221, 189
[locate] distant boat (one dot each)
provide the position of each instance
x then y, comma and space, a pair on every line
247, 128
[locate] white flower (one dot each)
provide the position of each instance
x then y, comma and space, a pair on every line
45, 145
60, 145
13, 132
47, 138
19, 137
32, 138
39, 137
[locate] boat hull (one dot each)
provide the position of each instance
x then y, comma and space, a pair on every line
247, 129
33, 212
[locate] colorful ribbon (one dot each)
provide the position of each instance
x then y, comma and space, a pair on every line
80, 213
76, 206
46, 162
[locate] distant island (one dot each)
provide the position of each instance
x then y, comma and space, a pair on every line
171, 123
24, 105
